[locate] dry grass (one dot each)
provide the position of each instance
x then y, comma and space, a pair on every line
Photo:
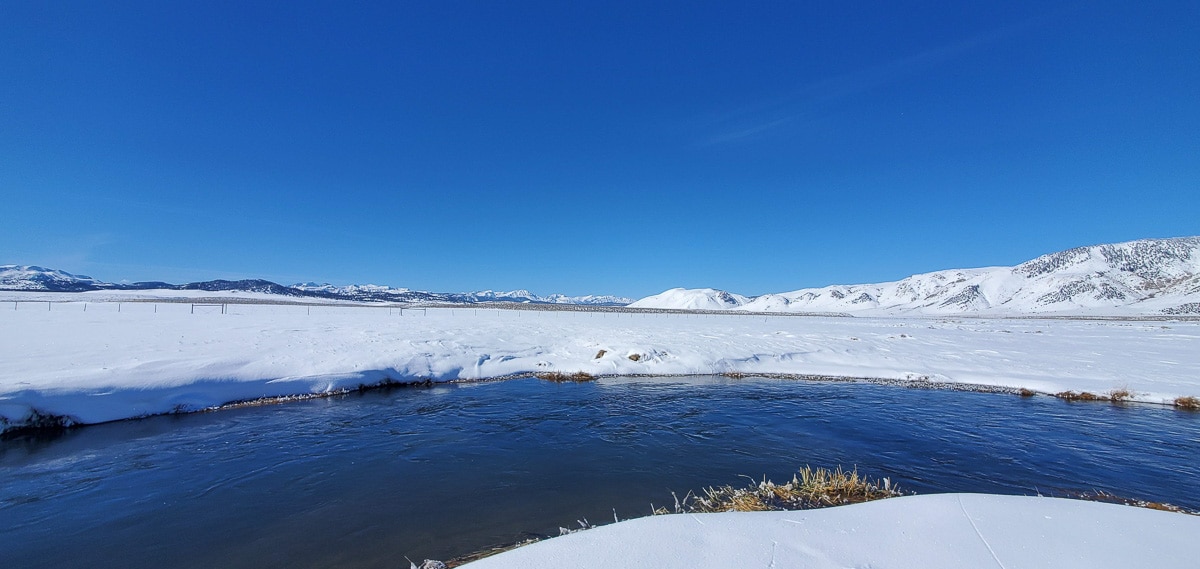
635, 357
560, 377
1102, 496
1118, 395
1026, 392
808, 489
1189, 403
1114, 396
1080, 396
734, 375
600, 354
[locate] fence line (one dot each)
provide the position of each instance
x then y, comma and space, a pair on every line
223, 306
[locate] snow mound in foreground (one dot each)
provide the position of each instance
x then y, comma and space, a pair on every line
936, 531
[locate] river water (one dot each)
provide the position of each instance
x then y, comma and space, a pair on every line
367, 479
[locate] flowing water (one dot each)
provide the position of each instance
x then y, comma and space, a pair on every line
367, 479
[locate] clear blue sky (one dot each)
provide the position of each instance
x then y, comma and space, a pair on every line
588, 147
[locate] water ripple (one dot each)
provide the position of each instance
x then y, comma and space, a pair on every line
365, 479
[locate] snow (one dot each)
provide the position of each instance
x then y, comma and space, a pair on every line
89, 362
92, 363
937, 531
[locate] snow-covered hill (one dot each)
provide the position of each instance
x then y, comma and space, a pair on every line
1150, 276
692, 299
18, 277
33, 278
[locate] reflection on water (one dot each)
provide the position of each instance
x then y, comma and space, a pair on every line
366, 479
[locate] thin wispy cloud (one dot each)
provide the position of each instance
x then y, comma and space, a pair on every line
759, 118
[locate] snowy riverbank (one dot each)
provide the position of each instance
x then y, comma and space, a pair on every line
929, 532
93, 363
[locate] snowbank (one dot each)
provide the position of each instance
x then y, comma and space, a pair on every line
948, 531
89, 362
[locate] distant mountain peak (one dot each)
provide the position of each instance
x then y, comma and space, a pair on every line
34, 278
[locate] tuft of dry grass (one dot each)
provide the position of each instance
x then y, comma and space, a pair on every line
1026, 392
600, 354
1079, 396
809, 488
1118, 395
1189, 403
635, 357
560, 377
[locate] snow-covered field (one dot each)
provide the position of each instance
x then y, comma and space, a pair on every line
949, 531
91, 363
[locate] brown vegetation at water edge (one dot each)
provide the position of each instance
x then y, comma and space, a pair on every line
1115, 396
1118, 395
1189, 403
560, 377
1102, 496
809, 488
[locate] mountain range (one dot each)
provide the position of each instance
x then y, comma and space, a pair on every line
1145, 277
34, 278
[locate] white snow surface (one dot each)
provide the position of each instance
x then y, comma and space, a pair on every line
1150, 276
939, 531
91, 363
163, 295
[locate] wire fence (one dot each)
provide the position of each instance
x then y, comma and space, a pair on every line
206, 308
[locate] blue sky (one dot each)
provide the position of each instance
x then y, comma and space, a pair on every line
587, 147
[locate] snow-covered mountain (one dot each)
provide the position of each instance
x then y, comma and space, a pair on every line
33, 278
693, 299
1150, 276
18, 277
377, 292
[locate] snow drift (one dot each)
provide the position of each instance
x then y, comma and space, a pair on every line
941, 531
